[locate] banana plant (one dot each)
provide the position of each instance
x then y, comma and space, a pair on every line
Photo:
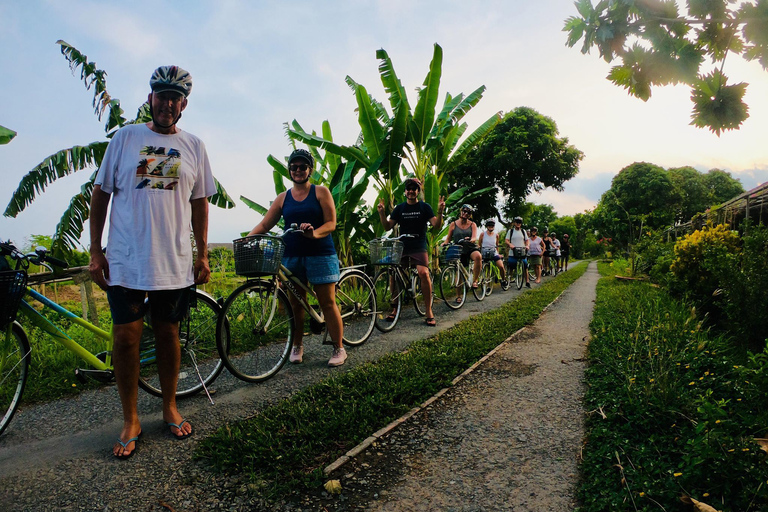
6, 135
353, 226
68, 161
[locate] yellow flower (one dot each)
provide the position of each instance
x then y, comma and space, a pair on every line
74, 385
706, 495
642, 494
651, 380
677, 475
691, 383
718, 421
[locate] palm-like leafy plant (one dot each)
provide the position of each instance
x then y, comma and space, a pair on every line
6, 135
68, 161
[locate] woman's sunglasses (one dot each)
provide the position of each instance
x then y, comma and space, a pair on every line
299, 167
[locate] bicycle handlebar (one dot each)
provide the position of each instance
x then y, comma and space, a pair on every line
404, 235
39, 257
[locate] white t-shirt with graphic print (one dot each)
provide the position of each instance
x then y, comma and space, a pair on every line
152, 178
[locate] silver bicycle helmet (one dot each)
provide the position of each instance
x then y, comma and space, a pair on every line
171, 78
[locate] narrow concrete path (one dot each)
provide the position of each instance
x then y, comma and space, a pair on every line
507, 437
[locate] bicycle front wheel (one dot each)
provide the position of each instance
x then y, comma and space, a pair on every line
357, 304
488, 276
14, 368
506, 283
419, 298
260, 320
519, 277
200, 360
453, 287
388, 299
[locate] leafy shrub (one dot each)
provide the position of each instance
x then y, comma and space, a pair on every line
699, 258
654, 257
743, 281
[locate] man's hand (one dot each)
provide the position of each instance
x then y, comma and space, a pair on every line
380, 207
99, 269
202, 271
441, 204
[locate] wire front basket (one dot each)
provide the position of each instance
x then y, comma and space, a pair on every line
13, 286
519, 252
385, 252
258, 255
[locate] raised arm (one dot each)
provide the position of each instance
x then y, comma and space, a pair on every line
386, 222
437, 220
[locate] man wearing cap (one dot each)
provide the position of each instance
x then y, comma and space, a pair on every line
565, 252
413, 216
158, 179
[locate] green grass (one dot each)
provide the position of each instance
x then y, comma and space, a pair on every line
286, 445
672, 408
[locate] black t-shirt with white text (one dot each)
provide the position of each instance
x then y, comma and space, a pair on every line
413, 219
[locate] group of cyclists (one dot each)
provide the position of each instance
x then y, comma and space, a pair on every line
534, 250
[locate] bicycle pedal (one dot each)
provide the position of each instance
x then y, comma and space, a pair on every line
82, 374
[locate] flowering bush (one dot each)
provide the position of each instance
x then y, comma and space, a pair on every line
700, 257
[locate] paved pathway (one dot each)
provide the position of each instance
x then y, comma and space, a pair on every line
507, 437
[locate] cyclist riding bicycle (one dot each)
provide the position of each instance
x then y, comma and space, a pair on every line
489, 241
463, 230
517, 238
310, 256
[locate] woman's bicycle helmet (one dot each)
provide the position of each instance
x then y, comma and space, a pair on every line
171, 78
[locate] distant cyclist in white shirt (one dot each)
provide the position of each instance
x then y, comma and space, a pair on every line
516, 237
489, 241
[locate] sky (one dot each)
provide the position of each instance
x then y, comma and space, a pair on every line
257, 65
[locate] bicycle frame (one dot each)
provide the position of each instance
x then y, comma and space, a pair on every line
54, 332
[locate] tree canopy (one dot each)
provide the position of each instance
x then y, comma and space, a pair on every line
522, 154
658, 45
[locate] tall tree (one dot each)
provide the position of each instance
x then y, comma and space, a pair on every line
642, 195
721, 186
660, 46
68, 231
523, 153
692, 192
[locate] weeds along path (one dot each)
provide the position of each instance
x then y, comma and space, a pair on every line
507, 437
58, 455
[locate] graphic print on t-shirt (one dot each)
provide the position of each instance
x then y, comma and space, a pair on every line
158, 169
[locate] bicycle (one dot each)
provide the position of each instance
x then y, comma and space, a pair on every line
260, 316
394, 283
517, 273
455, 279
553, 269
490, 272
200, 362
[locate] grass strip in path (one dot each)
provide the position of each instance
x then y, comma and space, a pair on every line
287, 445
672, 413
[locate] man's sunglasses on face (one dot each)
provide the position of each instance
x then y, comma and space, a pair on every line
299, 167
411, 189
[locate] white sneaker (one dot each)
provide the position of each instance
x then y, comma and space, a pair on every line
297, 353
338, 358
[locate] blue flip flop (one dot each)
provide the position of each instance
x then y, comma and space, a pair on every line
184, 436
134, 440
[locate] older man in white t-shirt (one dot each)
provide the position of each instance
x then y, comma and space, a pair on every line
158, 179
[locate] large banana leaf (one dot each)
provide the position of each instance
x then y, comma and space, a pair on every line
6, 135
331, 159
58, 165
220, 198
96, 78
70, 227
373, 133
392, 84
396, 140
348, 152
424, 114
470, 142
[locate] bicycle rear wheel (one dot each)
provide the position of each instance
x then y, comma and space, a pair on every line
389, 296
453, 287
14, 369
357, 304
260, 319
200, 360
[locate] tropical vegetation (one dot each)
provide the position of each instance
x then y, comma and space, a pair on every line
659, 43
66, 237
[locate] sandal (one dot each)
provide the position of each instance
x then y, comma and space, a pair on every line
430, 322
134, 440
170, 424
391, 317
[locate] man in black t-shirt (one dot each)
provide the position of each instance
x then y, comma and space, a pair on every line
413, 216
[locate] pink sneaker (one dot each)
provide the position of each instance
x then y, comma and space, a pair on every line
338, 358
297, 353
